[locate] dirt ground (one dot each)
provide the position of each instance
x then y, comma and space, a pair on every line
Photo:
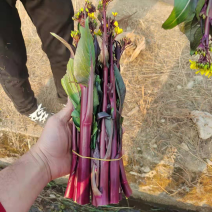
163, 154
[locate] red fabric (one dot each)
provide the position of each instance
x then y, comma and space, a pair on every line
2, 208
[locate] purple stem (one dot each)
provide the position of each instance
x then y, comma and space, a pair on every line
124, 183
86, 118
70, 187
76, 174
114, 165
104, 165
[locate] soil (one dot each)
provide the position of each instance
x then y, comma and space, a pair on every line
51, 199
164, 156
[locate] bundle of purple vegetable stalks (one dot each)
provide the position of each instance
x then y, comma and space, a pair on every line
95, 86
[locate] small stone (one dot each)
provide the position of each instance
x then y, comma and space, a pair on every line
209, 162
138, 148
145, 169
154, 146
151, 174
162, 120
52, 196
136, 174
187, 189
190, 85
203, 121
1, 134
198, 79
179, 87
136, 168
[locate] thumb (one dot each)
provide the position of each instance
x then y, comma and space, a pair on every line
65, 113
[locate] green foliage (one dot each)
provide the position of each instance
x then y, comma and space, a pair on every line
95, 97
187, 14
70, 85
193, 31
184, 10
85, 53
109, 127
200, 4
120, 86
76, 116
78, 70
94, 133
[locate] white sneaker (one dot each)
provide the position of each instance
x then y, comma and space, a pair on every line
40, 116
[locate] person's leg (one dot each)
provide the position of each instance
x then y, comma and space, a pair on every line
13, 70
53, 16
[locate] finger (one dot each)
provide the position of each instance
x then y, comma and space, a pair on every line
70, 125
65, 113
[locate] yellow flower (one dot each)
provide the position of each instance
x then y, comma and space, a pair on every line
193, 64
81, 9
207, 72
116, 23
72, 33
118, 30
98, 32
202, 71
91, 15
87, 10
114, 14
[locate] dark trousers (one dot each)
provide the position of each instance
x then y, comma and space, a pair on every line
48, 16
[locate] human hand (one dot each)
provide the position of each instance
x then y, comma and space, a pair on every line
54, 145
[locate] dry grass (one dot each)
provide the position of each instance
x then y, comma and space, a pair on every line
158, 106
158, 102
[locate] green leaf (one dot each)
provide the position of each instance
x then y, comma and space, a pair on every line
97, 94
98, 86
94, 128
95, 97
72, 80
120, 87
76, 116
94, 133
199, 7
184, 10
193, 31
85, 53
70, 85
75, 113
196, 41
76, 121
109, 126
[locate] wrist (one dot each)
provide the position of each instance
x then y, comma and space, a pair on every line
23, 181
41, 161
